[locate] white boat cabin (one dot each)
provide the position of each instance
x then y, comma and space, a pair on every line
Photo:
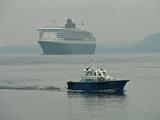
93, 73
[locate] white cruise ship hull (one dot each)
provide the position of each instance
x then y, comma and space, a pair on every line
52, 48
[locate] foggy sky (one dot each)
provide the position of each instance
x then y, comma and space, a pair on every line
113, 22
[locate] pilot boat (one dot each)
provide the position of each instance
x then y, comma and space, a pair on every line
97, 79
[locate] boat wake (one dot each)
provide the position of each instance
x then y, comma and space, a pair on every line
48, 88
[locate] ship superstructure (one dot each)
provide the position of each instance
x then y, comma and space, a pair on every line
66, 40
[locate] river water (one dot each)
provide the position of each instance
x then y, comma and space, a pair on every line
25, 79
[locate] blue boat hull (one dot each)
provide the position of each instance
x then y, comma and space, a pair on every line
117, 85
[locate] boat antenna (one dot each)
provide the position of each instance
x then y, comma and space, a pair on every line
90, 61
107, 71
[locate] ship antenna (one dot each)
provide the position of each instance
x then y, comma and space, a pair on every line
82, 23
52, 21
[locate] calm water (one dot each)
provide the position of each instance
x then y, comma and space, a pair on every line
140, 101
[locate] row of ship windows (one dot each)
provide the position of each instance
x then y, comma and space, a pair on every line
64, 34
94, 74
52, 35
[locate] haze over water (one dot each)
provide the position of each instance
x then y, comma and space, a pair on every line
139, 102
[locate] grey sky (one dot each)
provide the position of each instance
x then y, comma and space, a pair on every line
111, 21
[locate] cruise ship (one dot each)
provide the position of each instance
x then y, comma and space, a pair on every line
66, 40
